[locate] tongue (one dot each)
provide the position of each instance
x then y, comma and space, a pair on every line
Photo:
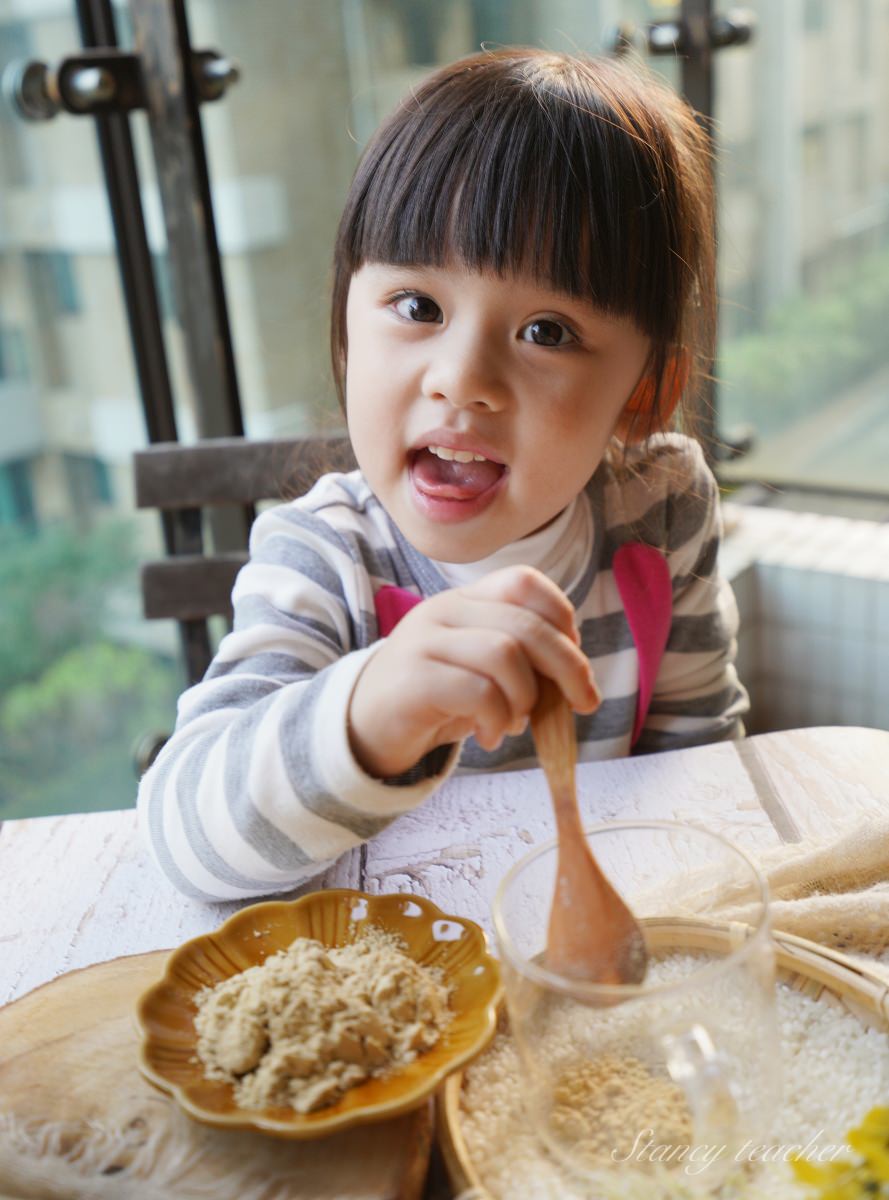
454, 480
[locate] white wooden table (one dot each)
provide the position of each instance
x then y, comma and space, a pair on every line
77, 890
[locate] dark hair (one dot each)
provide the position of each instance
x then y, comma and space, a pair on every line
588, 174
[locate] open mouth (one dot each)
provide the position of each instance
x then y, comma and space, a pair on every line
445, 474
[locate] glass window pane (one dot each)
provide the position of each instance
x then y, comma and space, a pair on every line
803, 120
81, 673
317, 80
803, 176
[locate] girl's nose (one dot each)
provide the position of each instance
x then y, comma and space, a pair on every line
466, 376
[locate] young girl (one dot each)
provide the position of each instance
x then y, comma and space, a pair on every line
523, 294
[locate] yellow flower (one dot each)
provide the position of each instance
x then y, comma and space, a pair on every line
858, 1180
871, 1140
835, 1180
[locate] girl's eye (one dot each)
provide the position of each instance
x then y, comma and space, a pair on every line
548, 333
417, 308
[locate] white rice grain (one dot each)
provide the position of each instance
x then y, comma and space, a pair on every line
835, 1068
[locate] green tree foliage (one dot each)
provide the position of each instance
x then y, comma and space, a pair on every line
66, 738
811, 348
72, 702
53, 585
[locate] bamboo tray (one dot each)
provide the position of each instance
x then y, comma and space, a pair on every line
802, 965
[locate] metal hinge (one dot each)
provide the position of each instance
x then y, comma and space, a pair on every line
734, 28
102, 81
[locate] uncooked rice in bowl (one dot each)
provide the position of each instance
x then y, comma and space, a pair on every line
835, 1068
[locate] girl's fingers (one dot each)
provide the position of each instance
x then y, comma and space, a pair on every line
494, 656
530, 589
545, 648
463, 694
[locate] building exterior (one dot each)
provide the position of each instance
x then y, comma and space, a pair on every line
802, 120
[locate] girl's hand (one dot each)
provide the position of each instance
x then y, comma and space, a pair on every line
465, 662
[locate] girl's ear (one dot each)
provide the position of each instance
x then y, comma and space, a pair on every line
646, 413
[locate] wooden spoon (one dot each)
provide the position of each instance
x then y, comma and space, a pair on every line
592, 934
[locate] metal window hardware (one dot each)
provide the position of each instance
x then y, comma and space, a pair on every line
213, 73
102, 81
693, 36
683, 36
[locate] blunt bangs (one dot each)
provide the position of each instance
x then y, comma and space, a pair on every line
582, 173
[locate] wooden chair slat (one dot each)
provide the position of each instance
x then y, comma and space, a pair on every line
190, 587
219, 471
185, 481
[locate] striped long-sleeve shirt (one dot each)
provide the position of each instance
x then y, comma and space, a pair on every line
258, 790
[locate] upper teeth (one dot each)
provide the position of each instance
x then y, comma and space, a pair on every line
460, 456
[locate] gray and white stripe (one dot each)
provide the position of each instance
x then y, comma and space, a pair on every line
257, 789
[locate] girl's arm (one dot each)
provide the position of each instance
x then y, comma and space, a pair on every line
697, 696
307, 737
258, 789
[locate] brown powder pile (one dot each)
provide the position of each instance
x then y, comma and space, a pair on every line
311, 1022
601, 1105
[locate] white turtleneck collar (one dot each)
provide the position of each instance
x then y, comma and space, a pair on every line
561, 550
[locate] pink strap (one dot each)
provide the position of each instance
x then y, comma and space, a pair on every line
391, 604
646, 589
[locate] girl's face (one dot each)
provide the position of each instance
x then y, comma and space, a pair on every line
527, 384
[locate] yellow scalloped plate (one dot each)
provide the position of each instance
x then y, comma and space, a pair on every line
165, 1013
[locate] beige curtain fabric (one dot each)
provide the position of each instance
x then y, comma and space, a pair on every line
834, 891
